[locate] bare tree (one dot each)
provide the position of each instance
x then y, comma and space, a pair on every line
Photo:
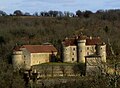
63, 69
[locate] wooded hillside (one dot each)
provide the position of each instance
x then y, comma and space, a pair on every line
18, 30
22, 29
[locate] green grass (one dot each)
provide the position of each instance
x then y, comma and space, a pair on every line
57, 63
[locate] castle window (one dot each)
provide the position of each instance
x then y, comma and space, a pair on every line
73, 53
73, 48
72, 59
87, 53
87, 48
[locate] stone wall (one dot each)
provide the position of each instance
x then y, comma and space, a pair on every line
59, 70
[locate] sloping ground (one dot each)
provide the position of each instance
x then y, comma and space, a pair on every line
112, 71
58, 69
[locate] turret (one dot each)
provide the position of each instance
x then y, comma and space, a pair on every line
81, 50
101, 51
17, 59
64, 59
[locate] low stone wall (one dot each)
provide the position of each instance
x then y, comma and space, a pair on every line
58, 70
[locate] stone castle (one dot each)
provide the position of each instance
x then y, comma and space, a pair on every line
28, 55
80, 48
90, 51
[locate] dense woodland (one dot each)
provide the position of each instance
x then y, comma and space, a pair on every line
53, 26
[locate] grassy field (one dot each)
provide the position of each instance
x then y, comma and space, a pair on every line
58, 63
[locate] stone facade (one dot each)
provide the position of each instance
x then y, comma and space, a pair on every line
28, 55
88, 51
71, 53
82, 46
93, 65
56, 70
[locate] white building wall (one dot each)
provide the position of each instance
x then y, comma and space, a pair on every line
38, 58
66, 54
90, 50
73, 53
70, 54
101, 50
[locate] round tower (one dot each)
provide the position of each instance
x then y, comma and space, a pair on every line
81, 50
101, 51
17, 59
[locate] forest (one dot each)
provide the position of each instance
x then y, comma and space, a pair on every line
53, 26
